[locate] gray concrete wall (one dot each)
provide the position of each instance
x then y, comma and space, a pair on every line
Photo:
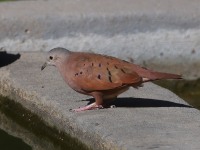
163, 35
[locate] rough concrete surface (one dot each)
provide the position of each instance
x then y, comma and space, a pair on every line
148, 118
156, 34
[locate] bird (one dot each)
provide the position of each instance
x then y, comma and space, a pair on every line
100, 76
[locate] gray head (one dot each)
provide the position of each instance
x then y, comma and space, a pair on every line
56, 56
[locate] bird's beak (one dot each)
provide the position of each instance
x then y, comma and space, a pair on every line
44, 65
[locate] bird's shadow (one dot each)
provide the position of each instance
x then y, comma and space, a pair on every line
141, 102
6, 58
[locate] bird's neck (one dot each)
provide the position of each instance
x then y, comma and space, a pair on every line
62, 68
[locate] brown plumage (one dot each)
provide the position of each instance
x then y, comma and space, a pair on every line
103, 77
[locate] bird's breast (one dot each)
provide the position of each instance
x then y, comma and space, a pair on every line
69, 77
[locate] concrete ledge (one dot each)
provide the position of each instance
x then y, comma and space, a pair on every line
148, 118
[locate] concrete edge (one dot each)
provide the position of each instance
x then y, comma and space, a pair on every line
23, 97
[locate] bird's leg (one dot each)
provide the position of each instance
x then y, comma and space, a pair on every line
96, 105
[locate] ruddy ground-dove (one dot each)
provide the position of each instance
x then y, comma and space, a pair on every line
103, 77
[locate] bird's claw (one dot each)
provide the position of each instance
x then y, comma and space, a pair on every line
88, 107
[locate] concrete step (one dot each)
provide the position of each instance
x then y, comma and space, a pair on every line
148, 118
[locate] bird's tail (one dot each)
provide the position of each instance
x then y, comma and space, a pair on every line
152, 76
149, 75
160, 75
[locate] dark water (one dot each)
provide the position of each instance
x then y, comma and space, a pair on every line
9, 142
189, 90
30, 131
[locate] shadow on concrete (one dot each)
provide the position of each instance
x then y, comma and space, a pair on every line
6, 58
142, 102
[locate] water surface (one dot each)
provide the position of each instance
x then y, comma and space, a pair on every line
189, 90
30, 132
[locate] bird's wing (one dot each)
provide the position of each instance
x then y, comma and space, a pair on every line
101, 73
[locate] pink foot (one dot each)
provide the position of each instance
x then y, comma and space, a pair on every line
88, 107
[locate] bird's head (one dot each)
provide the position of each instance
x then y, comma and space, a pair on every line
55, 57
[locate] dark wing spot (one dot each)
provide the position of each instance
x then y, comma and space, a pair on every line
110, 79
76, 74
92, 64
109, 73
116, 67
123, 71
81, 72
99, 65
99, 76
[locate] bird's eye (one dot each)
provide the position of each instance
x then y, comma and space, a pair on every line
50, 57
